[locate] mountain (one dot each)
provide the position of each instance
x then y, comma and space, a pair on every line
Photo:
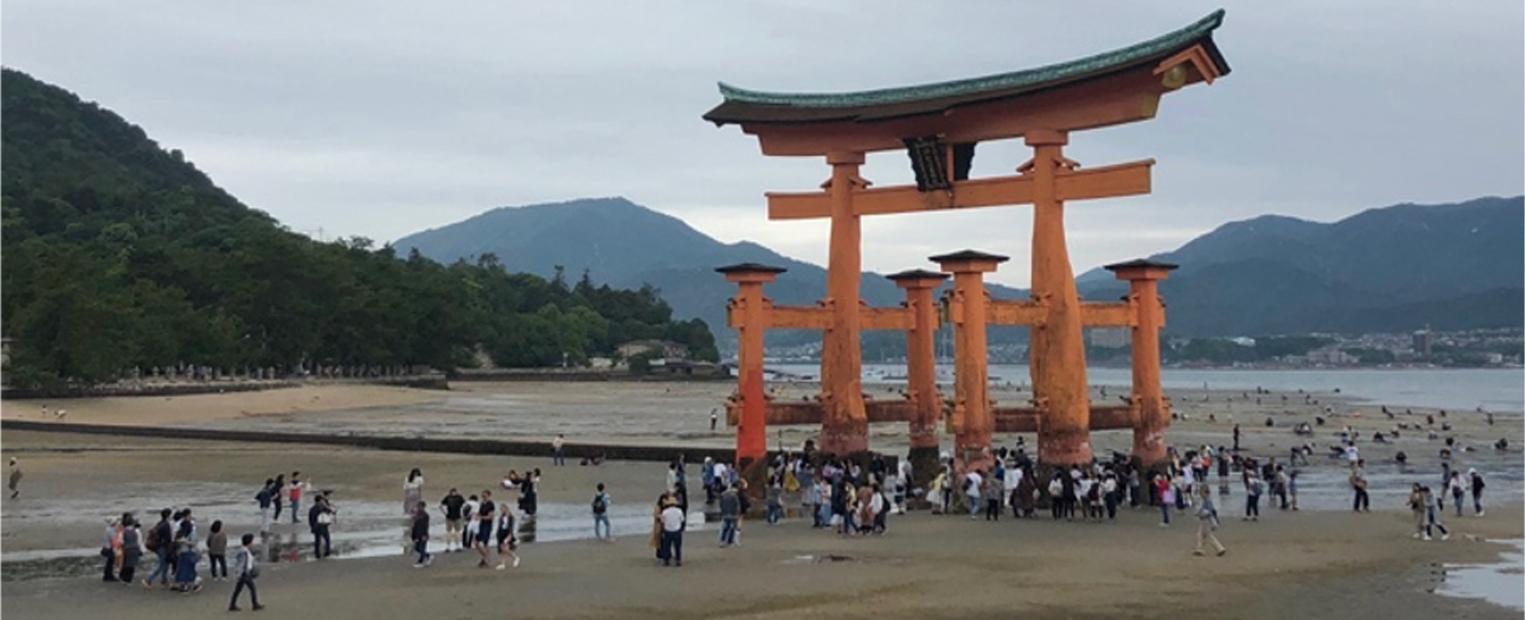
626, 245
1396, 268
1453, 266
121, 256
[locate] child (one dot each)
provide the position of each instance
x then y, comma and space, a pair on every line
217, 552
508, 541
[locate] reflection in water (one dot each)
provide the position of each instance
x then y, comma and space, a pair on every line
1497, 583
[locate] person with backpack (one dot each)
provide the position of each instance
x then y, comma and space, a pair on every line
247, 573
159, 543
601, 528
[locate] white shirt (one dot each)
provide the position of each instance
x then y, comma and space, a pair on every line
974, 483
1013, 477
905, 471
1352, 454
1109, 485
672, 519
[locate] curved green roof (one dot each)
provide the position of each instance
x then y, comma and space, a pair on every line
742, 105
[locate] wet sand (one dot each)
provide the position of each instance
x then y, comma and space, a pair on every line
1313, 563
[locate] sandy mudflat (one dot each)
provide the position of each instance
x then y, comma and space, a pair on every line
199, 408
1313, 563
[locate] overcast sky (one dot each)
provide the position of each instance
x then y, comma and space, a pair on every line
384, 121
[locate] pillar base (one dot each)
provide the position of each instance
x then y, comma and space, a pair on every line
925, 463
844, 441
1065, 449
755, 473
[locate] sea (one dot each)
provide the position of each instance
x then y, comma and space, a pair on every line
1498, 390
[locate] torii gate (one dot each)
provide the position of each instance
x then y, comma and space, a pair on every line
939, 126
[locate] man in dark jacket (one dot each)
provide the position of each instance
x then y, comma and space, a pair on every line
420, 534
161, 537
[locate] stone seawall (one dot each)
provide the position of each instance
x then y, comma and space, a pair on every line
427, 382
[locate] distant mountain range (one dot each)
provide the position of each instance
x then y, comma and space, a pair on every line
1451, 266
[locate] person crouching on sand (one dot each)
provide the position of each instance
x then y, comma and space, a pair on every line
1207, 522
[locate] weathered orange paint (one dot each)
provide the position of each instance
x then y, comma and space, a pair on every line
921, 370
844, 427
1151, 409
1125, 179
1057, 348
752, 432
971, 397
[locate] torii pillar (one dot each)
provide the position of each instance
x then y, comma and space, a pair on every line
1057, 346
971, 404
1151, 410
844, 419
752, 431
921, 370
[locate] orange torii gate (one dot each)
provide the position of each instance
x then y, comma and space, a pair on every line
752, 314
939, 125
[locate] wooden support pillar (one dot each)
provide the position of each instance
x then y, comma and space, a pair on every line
971, 373
752, 430
921, 370
1057, 347
1151, 411
844, 424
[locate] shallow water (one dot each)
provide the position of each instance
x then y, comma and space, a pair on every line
364, 529
1497, 583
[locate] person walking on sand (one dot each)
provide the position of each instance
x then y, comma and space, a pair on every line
973, 482
1236, 437
487, 512
508, 541
601, 529
1477, 490
558, 451
418, 532
276, 495
14, 484
160, 542
672, 522
1432, 513
1458, 491
131, 548
1207, 522
730, 510
1362, 502
452, 507
247, 573
1417, 506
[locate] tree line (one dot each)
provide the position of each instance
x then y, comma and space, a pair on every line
118, 255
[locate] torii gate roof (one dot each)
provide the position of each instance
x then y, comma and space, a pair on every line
749, 106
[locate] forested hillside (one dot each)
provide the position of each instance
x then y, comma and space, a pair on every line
119, 254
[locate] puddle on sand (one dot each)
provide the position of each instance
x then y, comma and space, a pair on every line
1497, 583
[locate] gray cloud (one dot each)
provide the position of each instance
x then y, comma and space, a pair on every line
382, 121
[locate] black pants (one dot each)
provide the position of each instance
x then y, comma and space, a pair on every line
1252, 506
1056, 506
277, 510
421, 546
244, 581
1111, 505
993, 510
672, 547
1362, 501
216, 562
127, 573
322, 542
110, 557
